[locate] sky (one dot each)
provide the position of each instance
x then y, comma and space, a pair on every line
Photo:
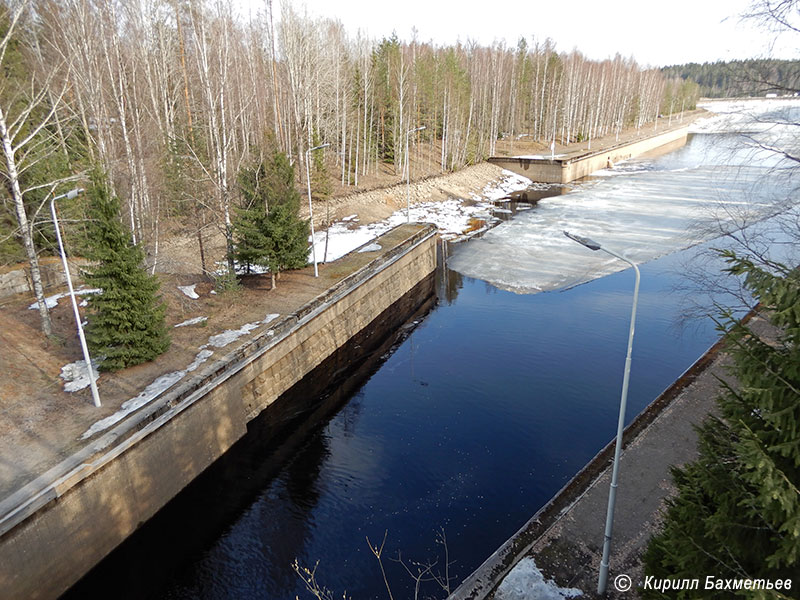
654, 33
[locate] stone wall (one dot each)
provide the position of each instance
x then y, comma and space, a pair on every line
18, 281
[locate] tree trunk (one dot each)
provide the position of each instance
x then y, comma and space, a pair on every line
24, 227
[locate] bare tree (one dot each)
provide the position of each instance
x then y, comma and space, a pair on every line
25, 115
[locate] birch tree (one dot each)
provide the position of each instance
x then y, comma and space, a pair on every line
25, 114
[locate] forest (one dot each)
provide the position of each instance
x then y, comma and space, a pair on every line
175, 100
740, 78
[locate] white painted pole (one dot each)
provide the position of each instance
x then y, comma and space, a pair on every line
602, 580
408, 175
92, 383
311, 208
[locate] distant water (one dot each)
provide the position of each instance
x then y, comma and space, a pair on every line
486, 409
642, 208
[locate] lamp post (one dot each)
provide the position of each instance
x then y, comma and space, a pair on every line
612, 494
408, 175
92, 383
310, 208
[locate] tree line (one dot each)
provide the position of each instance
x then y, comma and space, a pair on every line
175, 99
740, 78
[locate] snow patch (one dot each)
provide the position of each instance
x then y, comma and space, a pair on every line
525, 581
371, 248
52, 301
189, 291
452, 217
76, 375
231, 335
269, 318
150, 393
194, 321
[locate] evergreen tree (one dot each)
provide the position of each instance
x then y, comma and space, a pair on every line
288, 239
286, 232
249, 232
269, 231
126, 321
737, 512
249, 225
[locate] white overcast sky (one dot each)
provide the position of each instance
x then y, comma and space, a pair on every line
655, 33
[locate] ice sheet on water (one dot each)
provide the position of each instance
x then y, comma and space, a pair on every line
743, 115
642, 215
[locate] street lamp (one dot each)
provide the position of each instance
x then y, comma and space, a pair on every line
612, 494
92, 383
408, 175
310, 208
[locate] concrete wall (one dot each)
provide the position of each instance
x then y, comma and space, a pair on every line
569, 169
57, 535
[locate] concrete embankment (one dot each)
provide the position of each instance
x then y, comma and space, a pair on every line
569, 167
59, 526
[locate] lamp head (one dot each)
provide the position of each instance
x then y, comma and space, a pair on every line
591, 244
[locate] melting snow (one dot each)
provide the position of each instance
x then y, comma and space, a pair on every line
270, 317
163, 383
189, 291
52, 301
76, 375
231, 335
150, 393
194, 321
371, 248
525, 581
452, 217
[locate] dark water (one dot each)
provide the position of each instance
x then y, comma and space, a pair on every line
486, 409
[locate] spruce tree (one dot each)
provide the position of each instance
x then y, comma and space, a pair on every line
268, 228
737, 511
126, 321
249, 224
251, 246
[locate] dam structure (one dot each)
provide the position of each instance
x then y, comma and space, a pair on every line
564, 168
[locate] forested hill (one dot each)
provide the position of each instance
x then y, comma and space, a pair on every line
740, 77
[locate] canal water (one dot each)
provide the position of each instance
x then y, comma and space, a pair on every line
472, 417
